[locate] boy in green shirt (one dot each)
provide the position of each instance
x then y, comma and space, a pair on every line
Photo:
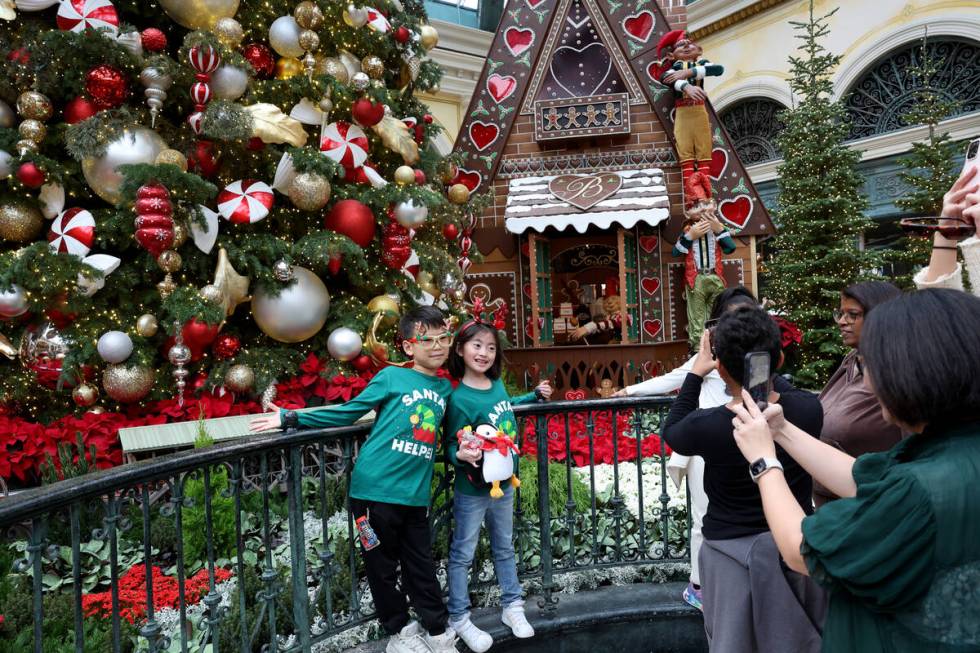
390, 484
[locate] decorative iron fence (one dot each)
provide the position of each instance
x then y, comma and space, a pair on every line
248, 545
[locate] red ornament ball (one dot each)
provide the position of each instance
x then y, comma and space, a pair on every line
79, 109
450, 231
352, 219
367, 113
204, 159
20, 56
153, 39
107, 86
362, 363
335, 264
255, 144
226, 346
198, 336
427, 118
419, 177
30, 175
402, 34
261, 59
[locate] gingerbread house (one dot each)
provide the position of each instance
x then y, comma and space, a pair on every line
571, 132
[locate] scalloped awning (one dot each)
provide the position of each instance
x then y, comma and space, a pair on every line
641, 199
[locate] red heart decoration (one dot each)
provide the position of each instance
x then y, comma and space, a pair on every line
649, 243
719, 163
533, 3
575, 395
527, 289
501, 87
639, 26
650, 285
736, 211
367, 113
656, 70
483, 134
518, 40
469, 178
652, 327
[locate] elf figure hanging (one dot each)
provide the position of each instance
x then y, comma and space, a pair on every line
684, 70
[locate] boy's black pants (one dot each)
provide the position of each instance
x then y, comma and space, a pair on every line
405, 538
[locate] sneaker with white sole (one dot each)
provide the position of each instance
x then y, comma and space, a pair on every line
444, 643
513, 617
408, 640
478, 640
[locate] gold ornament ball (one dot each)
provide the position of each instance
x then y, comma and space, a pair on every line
34, 106
211, 294
308, 15
239, 378
199, 14
172, 157
448, 173
229, 32
309, 191
428, 37
373, 66
180, 235
309, 40
459, 194
434, 89
335, 68
147, 325
405, 175
32, 130
387, 305
20, 221
85, 395
427, 284
128, 383
288, 67
169, 261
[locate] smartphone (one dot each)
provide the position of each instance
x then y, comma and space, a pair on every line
758, 377
973, 161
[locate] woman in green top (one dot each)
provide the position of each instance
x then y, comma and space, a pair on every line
480, 399
900, 552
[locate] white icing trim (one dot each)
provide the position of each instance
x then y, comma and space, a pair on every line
582, 221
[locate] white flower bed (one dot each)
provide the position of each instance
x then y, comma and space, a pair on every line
629, 486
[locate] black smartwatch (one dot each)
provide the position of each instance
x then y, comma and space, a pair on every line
763, 465
289, 419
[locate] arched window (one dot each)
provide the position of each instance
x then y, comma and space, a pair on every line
752, 125
886, 90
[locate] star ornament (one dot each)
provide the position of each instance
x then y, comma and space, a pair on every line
233, 286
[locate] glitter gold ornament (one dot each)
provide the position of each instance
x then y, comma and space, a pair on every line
166, 287
147, 325
309, 191
428, 37
32, 130
172, 157
239, 378
85, 395
169, 261
427, 284
308, 40
34, 106
288, 67
211, 294
459, 194
229, 32
404, 175
180, 234
308, 15
128, 383
373, 66
335, 68
20, 221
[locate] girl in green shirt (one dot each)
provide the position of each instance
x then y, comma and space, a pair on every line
481, 399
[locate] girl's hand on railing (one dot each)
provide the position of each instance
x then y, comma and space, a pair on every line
544, 389
621, 393
266, 422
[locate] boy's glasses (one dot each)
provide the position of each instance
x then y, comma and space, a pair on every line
950, 228
441, 339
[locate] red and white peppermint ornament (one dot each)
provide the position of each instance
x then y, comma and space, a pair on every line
194, 120
204, 59
72, 232
77, 15
412, 265
377, 21
344, 143
245, 201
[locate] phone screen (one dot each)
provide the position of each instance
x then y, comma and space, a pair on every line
973, 160
758, 377
972, 149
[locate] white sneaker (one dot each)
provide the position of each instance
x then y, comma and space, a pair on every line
478, 640
513, 617
444, 643
408, 640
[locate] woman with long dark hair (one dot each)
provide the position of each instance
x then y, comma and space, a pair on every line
900, 551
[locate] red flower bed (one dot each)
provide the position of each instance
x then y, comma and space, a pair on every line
576, 444
132, 592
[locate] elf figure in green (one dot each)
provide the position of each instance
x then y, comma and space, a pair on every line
424, 421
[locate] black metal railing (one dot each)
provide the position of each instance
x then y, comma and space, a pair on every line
248, 546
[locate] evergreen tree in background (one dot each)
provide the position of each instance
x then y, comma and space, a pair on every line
929, 167
820, 215
133, 134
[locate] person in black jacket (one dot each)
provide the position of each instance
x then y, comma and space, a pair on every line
751, 601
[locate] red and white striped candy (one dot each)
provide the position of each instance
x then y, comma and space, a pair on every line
245, 201
194, 120
377, 21
77, 15
204, 59
201, 93
72, 232
344, 143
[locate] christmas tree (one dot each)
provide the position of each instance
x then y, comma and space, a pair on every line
929, 170
820, 214
199, 197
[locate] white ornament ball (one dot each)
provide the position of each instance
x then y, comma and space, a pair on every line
136, 145
5, 168
344, 344
411, 215
284, 37
360, 81
13, 302
229, 82
297, 313
114, 346
7, 115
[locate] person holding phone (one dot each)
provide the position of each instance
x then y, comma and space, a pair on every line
740, 567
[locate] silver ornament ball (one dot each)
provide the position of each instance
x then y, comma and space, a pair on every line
7, 115
297, 313
282, 271
136, 145
284, 37
179, 354
360, 81
114, 346
229, 82
344, 344
411, 215
13, 302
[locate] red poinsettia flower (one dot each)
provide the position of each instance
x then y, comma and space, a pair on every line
789, 333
